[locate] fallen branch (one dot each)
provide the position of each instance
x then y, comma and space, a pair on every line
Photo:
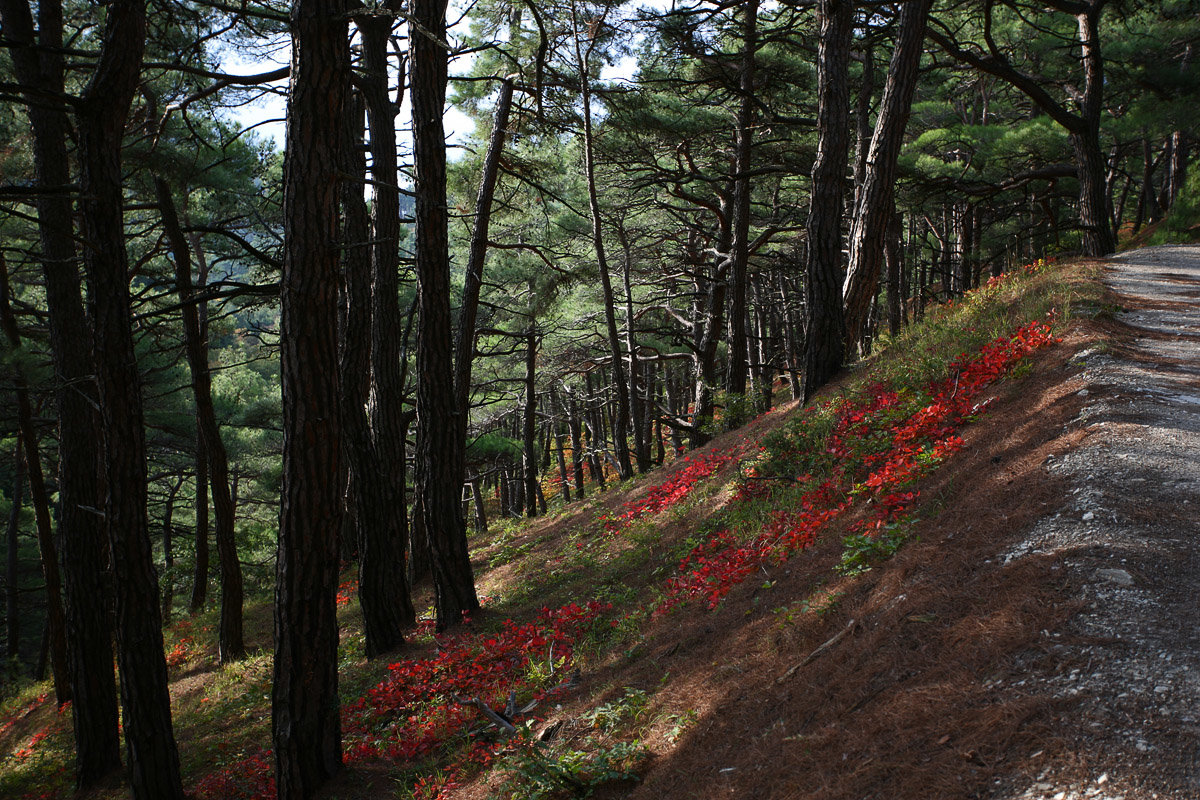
503, 721
837, 637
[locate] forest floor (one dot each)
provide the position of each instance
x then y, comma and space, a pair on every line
1036, 636
1040, 639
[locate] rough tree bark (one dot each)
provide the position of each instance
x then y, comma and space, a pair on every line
372, 378
440, 451
823, 326
1098, 238
386, 401
739, 253
102, 113
870, 223
306, 723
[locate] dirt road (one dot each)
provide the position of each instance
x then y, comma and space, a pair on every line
1127, 666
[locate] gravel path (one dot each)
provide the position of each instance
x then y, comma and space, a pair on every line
1128, 664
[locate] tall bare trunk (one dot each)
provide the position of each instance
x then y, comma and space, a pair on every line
871, 219
637, 407
440, 450
146, 703
529, 422
306, 721
1094, 216
739, 254
464, 343
620, 382
231, 643
823, 325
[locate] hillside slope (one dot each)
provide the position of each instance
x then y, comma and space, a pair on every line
914, 590
1040, 640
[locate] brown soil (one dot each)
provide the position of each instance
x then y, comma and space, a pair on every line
909, 703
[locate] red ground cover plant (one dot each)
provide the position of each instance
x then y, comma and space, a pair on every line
678, 486
25, 711
347, 589
412, 719
185, 644
876, 455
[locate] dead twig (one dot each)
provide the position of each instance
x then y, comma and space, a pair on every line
833, 640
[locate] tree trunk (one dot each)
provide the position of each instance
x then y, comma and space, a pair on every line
740, 224
388, 529
12, 590
824, 330
595, 439
1093, 196
706, 357
88, 621
764, 375
862, 125
641, 448
382, 579
464, 343
964, 217
1094, 213
871, 220
793, 334
1148, 209
145, 700
575, 425
231, 643
505, 499
168, 600
200, 566
481, 523
354, 357
529, 422
306, 720
440, 450
564, 478
55, 617
892, 250
372, 380
1176, 169
677, 405
620, 384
